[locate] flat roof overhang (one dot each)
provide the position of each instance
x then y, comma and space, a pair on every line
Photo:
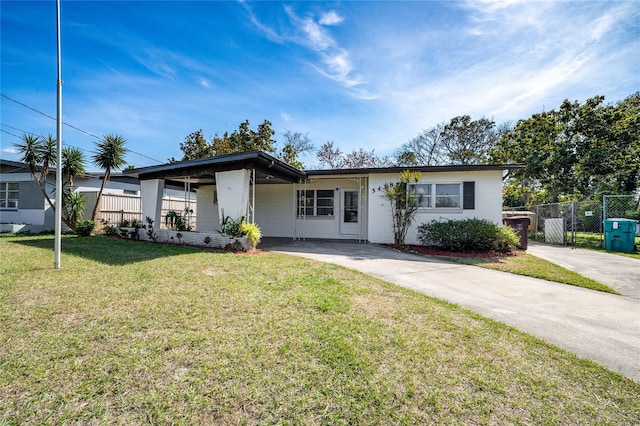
203, 170
424, 169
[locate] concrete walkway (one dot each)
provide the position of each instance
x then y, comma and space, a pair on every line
598, 326
618, 272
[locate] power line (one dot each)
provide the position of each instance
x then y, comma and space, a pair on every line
9, 133
67, 124
48, 116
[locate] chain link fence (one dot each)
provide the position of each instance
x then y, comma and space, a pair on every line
578, 224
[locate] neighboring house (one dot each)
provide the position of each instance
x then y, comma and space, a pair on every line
335, 204
23, 206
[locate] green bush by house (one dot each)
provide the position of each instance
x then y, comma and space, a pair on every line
468, 235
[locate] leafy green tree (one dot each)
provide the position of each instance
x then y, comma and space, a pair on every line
468, 142
245, 139
573, 152
196, 146
109, 156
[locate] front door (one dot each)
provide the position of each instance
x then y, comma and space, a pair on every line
350, 212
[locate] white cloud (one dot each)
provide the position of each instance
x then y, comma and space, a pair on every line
334, 61
204, 82
11, 151
331, 18
286, 117
316, 36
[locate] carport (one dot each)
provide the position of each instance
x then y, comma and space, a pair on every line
225, 185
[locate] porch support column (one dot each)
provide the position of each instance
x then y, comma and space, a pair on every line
233, 193
151, 192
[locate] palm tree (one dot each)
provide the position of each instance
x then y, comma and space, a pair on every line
73, 203
38, 152
30, 149
110, 156
72, 164
47, 153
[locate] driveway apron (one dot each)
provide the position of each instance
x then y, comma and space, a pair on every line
602, 327
618, 272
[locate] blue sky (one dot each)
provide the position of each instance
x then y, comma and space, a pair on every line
361, 74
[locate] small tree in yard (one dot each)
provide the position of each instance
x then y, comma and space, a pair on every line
404, 203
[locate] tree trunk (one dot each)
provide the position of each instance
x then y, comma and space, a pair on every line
96, 208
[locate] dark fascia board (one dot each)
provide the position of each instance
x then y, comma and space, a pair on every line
249, 159
424, 169
18, 165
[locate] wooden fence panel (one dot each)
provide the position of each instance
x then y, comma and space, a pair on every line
119, 207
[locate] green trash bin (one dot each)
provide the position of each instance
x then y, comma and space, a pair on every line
620, 234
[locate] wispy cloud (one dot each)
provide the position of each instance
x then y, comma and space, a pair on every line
330, 18
312, 32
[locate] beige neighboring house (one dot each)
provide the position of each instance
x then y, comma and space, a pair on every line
333, 204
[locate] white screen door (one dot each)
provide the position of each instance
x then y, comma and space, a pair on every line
350, 212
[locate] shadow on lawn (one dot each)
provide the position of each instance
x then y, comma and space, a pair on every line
108, 250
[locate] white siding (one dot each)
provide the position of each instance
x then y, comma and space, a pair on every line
488, 203
274, 209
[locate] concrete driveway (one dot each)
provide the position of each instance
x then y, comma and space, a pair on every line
598, 326
618, 272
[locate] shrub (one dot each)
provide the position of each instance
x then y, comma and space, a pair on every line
252, 232
507, 239
478, 235
231, 227
84, 227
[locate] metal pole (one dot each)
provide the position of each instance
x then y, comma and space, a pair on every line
58, 210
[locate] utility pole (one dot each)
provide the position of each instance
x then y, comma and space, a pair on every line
58, 216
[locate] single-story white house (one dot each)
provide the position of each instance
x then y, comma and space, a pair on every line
23, 206
330, 204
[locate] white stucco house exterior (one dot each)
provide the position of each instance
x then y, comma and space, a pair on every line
329, 204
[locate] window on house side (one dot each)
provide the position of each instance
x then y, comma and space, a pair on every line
437, 195
9, 195
315, 202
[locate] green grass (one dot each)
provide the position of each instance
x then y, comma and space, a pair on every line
136, 333
592, 241
532, 266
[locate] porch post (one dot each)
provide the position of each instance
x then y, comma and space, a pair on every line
151, 192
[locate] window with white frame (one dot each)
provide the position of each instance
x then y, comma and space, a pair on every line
316, 202
9, 195
437, 195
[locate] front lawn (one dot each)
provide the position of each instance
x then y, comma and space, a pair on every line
137, 333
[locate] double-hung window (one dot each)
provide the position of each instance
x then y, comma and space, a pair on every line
315, 202
9, 195
437, 195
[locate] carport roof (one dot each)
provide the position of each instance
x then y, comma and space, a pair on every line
203, 170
